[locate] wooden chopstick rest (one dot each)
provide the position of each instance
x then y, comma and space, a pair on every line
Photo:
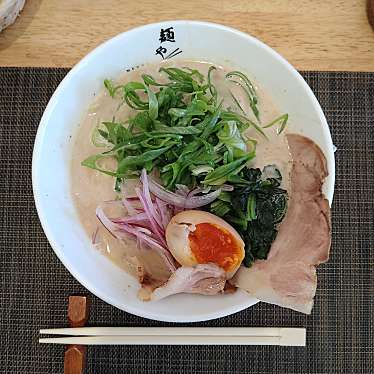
78, 310
75, 355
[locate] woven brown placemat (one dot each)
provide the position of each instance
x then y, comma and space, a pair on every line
35, 285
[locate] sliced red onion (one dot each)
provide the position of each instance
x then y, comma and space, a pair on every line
95, 236
151, 213
136, 218
112, 202
132, 198
177, 210
145, 230
147, 197
195, 191
174, 199
107, 223
129, 207
182, 190
148, 215
138, 233
124, 230
165, 212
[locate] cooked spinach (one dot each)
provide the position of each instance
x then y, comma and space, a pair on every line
255, 208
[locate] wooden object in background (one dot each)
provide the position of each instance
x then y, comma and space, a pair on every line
370, 11
312, 35
9, 11
75, 355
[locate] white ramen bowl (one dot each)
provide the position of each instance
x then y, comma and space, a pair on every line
68, 106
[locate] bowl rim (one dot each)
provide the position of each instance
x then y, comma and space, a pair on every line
45, 119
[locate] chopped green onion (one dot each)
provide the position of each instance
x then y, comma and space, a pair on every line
281, 121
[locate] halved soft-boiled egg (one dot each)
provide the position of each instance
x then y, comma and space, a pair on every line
198, 237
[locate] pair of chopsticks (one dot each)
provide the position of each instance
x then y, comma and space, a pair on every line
177, 336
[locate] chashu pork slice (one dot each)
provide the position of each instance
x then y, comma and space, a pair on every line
288, 276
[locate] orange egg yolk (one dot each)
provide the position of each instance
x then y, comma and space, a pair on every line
211, 243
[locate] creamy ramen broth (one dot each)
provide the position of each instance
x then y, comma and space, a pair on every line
91, 188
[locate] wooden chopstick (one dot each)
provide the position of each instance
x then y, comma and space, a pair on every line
178, 336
